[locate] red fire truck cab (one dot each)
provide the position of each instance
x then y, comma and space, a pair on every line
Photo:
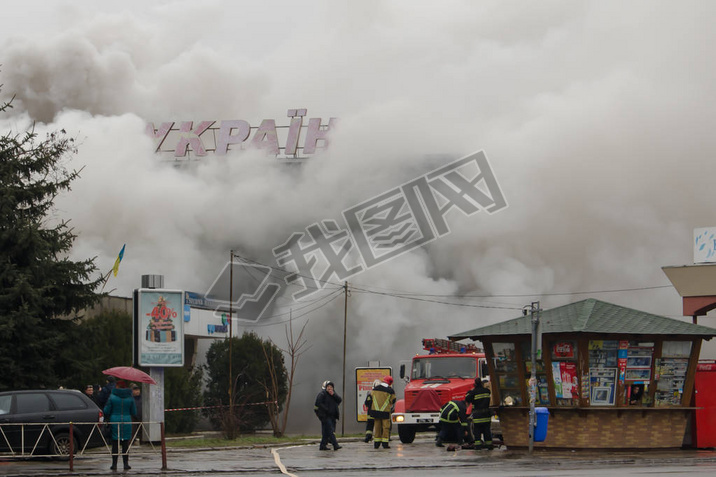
447, 373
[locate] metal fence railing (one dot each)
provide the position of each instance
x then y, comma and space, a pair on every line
69, 440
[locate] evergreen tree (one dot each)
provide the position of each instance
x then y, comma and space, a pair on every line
182, 389
106, 342
41, 289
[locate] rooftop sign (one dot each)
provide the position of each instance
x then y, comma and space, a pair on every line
219, 137
705, 245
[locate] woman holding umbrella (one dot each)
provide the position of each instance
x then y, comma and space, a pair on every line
120, 409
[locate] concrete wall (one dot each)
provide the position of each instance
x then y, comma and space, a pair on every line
109, 303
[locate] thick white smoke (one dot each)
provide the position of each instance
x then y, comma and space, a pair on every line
596, 118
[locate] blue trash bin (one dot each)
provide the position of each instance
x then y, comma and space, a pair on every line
541, 421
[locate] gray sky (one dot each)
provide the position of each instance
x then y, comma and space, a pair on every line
596, 117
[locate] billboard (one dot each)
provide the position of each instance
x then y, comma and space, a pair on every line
158, 327
364, 383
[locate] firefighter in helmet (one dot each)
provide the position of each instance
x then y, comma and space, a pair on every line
479, 397
382, 403
369, 424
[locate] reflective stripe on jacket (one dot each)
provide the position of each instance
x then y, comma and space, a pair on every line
382, 402
453, 412
479, 397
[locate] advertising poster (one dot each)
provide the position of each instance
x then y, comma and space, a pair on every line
563, 350
622, 359
557, 374
364, 383
158, 327
570, 386
566, 384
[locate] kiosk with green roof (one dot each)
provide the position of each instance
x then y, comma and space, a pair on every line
611, 377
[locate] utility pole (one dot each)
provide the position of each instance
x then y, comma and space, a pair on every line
345, 323
231, 330
534, 314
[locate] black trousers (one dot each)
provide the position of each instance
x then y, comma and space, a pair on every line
483, 429
451, 432
125, 452
328, 432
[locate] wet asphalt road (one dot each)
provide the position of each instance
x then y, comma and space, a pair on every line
421, 458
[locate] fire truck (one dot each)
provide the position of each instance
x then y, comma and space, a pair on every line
447, 373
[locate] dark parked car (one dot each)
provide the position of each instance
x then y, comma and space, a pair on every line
56, 409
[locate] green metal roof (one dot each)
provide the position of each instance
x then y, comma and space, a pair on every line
592, 316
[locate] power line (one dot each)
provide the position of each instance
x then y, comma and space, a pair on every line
283, 270
417, 298
332, 298
426, 296
409, 294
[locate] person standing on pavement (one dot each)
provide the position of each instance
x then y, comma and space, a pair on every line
453, 422
89, 392
370, 422
106, 391
479, 397
381, 406
120, 409
137, 396
326, 408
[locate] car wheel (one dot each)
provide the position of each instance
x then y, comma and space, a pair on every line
60, 445
406, 434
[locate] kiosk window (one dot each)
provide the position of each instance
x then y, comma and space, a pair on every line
507, 374
564, 372
637, 374
602, 372
672, 369
542, 397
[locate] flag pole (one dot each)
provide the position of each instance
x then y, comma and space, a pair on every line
105, 279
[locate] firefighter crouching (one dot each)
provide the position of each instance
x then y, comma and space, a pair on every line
453, 423
380, 403
479, 397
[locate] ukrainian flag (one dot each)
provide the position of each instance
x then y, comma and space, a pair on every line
115, 269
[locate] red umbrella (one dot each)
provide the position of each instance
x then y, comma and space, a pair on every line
129, 374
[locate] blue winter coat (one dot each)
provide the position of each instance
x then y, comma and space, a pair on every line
118, 412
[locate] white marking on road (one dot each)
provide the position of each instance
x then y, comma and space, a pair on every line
280, 465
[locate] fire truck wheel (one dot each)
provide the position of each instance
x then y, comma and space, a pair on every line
406, 434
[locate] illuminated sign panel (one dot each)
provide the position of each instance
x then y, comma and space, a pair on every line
220, 137
158, 327
364, 384
705, 245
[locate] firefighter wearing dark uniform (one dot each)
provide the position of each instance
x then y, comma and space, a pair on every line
453, 422
369, 424
382, 401
479, 397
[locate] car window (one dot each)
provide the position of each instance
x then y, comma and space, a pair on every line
67, 401
5, 402
32, 402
